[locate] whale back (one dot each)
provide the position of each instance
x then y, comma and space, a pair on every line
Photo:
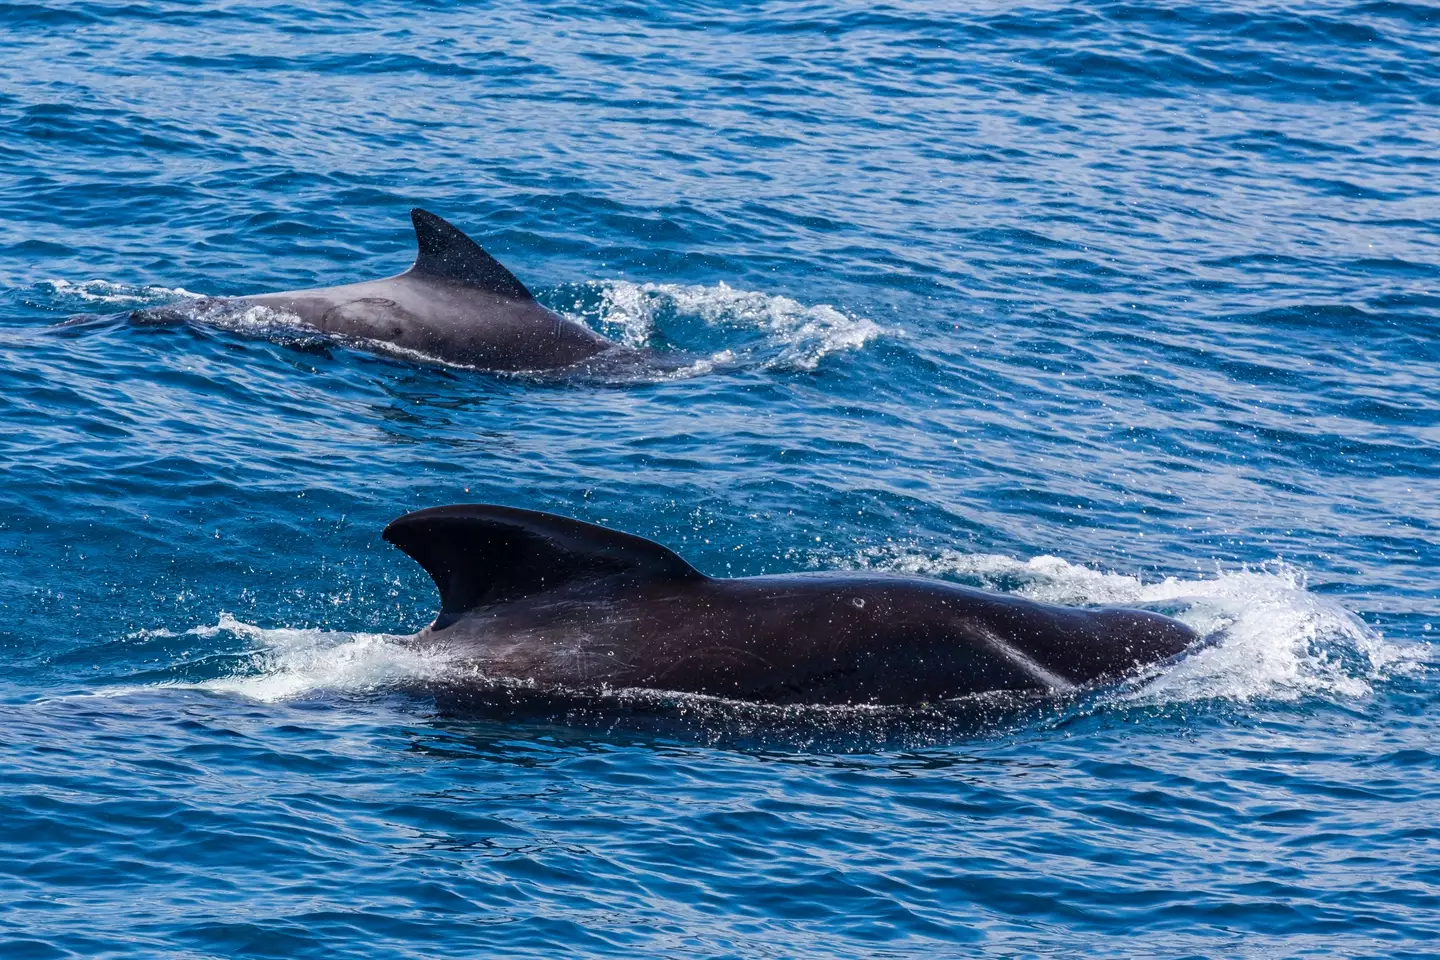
446, 253
482, 554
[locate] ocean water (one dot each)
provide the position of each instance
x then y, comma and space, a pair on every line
1094, 303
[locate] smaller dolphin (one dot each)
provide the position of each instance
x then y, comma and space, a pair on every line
573, 606
456, 303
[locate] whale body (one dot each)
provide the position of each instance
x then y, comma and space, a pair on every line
456, 303
558, 602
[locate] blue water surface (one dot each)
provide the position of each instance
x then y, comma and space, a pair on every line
1096, 303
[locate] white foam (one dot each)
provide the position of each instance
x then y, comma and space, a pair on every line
806, 334
115, 294
252, 320
1273, 638
288, 664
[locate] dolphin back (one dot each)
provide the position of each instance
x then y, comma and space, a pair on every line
446, 253
482, 554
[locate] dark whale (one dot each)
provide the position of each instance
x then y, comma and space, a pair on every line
558, 602
456, 303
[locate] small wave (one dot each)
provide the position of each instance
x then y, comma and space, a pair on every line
635, 313
1275, 639
288, 664
279, 326
105, 292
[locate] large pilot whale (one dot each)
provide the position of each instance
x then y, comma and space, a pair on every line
558, 602
455, 303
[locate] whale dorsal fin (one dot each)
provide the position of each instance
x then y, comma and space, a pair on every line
479, 554
448, 254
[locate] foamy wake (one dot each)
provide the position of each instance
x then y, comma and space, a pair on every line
288, 664
279, 326
633, 312
119, 295
1272, 638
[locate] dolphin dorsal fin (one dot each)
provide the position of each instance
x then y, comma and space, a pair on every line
480, 554
446, 253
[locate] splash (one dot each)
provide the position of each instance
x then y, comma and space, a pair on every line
1271, 637
278, 326
635, 313
106, 293
287, 664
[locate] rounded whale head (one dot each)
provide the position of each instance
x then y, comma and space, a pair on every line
1126, 639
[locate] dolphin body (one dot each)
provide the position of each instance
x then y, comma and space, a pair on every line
572, 606
456, 303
